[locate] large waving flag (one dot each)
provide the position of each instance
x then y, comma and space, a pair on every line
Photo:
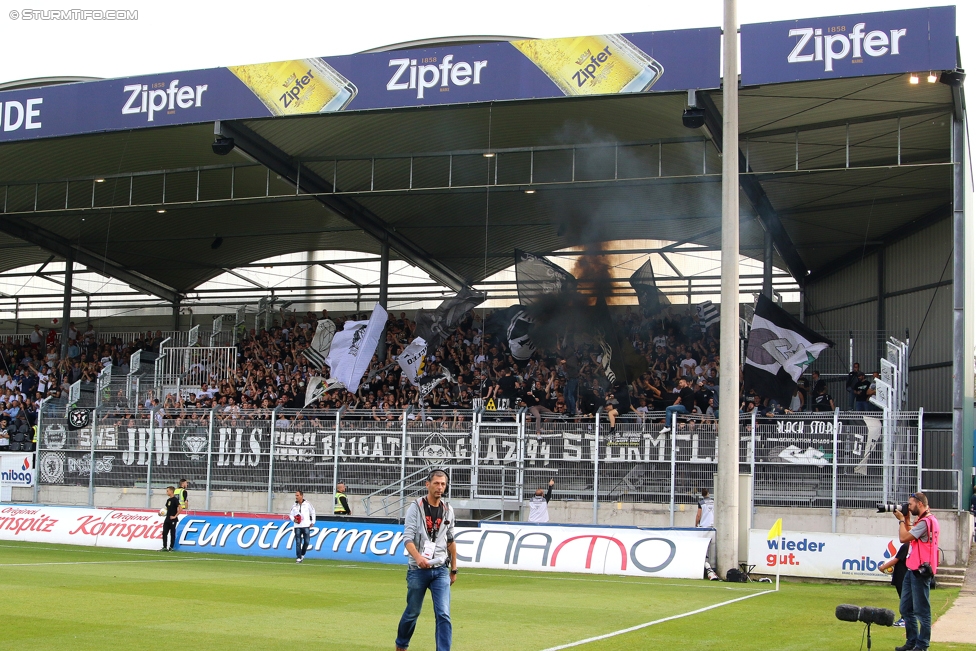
411, 360
353, 348
780, 348
321, 343
435, 326
652, 300
536, 278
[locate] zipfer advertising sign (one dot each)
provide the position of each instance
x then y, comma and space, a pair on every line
913, 40
588, 65
127, 529
889, 42
822, 555
590, 550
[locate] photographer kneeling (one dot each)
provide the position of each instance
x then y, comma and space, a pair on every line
923, 562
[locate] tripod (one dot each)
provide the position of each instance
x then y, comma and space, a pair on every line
869, 636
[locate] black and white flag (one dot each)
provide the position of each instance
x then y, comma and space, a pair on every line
652, 300
321, 343
537, 278
318, 386
780, 348
412, 359
428, 384
353, 348
707, 315
436, 326
512, 325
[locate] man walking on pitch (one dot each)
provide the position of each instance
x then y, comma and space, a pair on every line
303, 517
170, 518
428, 532
539, 504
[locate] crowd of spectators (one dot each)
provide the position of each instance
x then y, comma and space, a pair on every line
683, 368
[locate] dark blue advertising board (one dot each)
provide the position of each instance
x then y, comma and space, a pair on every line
538, 68
888, 42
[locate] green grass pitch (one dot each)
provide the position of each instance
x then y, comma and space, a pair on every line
76, 598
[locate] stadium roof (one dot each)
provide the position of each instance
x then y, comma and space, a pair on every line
834, 167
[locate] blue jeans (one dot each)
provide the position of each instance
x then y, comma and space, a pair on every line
916, 610
572, 387
438, 581
301, 541
673, 409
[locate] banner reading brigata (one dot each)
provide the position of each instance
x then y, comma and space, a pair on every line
888, 42
822, 555
587, 65
128, 529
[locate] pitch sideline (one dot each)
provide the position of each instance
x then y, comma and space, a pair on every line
656, 621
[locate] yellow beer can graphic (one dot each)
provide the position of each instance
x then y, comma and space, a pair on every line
593, 65
299, 86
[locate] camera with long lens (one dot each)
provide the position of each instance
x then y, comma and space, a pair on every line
884, 507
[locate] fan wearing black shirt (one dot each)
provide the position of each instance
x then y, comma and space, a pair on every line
683, 404
170, 518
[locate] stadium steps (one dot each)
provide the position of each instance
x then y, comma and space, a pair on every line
951, 577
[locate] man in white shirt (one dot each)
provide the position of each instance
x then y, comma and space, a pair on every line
706, 518
303, 517
539, 504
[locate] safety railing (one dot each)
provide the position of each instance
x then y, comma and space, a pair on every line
495, 459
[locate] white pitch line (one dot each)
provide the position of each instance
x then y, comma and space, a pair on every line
656, 621
158, 560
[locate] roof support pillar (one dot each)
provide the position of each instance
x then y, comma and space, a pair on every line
66, 309
727, 480
176, 315
962, 326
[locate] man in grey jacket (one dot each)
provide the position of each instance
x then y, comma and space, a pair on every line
428, 530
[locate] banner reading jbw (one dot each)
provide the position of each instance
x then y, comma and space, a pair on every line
889, 42
588, 65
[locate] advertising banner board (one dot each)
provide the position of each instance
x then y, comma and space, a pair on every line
822, 555
126, 529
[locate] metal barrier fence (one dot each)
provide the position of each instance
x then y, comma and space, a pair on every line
179, 370
495, 459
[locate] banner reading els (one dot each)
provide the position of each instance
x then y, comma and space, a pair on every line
81, 526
